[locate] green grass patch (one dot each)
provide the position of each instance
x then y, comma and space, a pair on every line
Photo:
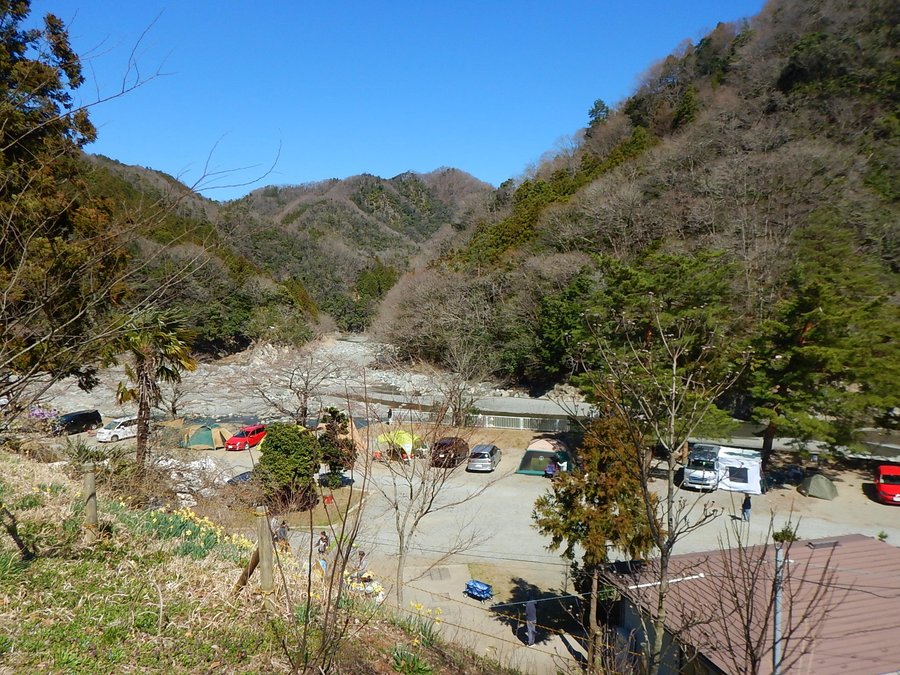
197, 537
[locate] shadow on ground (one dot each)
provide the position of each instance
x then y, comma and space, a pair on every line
555, 614
870, 491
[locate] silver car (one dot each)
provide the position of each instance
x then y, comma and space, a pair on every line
484, 458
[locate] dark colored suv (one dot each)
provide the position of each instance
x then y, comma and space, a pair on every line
76, 422
449, 452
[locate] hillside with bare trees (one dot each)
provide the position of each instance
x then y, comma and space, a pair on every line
751, 178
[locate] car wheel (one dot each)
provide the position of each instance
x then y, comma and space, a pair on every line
114, 439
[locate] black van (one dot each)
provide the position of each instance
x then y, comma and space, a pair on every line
76, 422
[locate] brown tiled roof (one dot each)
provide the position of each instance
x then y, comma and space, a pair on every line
841, 605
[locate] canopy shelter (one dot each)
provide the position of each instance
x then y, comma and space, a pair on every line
818, 486
542, 451
398, 444
740, 470
205, 436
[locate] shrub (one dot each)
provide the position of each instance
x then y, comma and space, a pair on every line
290, 458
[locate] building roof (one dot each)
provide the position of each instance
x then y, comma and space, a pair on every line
840, 609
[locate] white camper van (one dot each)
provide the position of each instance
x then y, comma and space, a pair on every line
718, 467
702, 469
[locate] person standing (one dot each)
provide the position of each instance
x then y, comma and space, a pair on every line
530, 619
281, 536
322, 545
390, 415
361, 567
745, 508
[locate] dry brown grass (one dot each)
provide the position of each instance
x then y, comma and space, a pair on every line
345, 503
173, 613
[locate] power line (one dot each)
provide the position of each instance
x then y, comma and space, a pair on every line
488, 555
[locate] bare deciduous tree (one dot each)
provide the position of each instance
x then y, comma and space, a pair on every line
416, 488
661, 389
744, 624
171, 397
290, 390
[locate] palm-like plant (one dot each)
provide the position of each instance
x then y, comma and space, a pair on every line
158, 347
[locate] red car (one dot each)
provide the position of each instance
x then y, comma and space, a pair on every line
887, 484
247, 437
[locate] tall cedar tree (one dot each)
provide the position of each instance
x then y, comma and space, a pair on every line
59, 256
597, 507
658, 352
827, 361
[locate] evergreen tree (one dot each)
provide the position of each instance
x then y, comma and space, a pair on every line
60, 260
290, 460
657, 355
338, 449
596, 507
826, 362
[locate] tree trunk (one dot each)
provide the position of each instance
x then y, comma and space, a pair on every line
593, 667
247, 572
145, 387
401, 564
768, 441
12, 529
659, 623
304, 411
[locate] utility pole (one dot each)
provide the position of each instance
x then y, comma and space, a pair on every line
776, 646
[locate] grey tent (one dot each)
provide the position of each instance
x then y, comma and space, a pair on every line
818, 486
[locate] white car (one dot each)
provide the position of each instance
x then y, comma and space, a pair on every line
124, 427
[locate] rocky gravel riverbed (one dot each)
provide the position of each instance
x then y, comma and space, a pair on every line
355, 372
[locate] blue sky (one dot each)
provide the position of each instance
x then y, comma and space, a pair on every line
330, 89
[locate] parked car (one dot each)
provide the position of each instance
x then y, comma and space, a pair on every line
241, 478
702, 469
247, 437
484, 458
118, 429
449, 452
77, 422
887, 484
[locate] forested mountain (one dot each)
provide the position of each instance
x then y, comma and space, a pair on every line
284, 261
751, 178
750, 182
348, 241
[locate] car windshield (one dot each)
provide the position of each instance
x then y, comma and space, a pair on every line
241, 434
480, 455
110, 425
702, 464
891, 479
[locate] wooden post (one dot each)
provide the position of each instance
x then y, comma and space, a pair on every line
91, 522
245, 574
264, 545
